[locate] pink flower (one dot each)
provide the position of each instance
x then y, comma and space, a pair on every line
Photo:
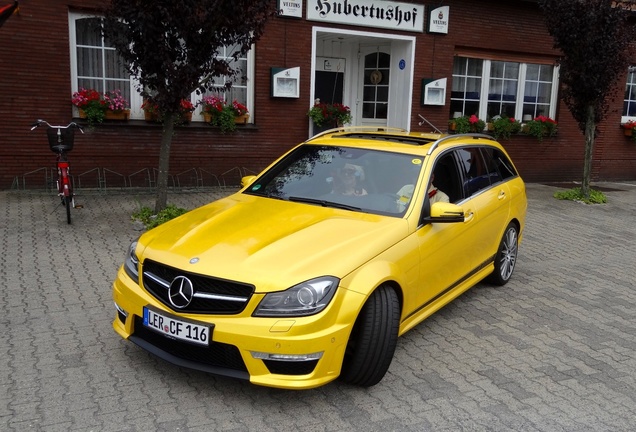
473, 119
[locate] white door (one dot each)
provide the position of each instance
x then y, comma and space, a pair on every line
373, 88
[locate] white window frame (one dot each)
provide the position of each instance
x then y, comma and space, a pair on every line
630, 81
521, 84
136, 100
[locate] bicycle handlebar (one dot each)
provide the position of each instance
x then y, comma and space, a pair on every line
40, 122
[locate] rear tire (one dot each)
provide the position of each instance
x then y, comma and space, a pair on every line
372, 342
506, 257
67, 202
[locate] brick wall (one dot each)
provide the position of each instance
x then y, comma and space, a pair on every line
35, 83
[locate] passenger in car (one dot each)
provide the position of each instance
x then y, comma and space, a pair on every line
348, 180
434, 194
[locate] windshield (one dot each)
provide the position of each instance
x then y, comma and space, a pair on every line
355, 179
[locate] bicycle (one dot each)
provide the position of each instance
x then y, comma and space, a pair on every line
61, 140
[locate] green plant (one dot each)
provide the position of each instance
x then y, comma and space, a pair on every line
335, 114
150, 220
91, 103
504, 127
541, 127
222, 114
467, 124
595, 197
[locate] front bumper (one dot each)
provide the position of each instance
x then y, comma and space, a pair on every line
239, 342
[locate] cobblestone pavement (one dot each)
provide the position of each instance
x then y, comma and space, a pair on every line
554, 350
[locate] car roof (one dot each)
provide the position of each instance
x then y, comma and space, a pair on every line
396, 139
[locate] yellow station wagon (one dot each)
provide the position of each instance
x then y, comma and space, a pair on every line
315, 267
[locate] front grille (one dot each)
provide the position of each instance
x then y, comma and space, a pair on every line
212, 295
216, 355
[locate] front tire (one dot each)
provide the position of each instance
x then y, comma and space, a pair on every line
372, 342
506, 257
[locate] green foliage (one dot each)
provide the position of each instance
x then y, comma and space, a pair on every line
541, 127
150, 220
505, 127
467, 124
224, 119
595, 197
594, 37
330, 114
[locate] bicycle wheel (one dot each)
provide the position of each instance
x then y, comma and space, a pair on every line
67, 202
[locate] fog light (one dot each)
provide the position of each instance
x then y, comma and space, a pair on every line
287, 357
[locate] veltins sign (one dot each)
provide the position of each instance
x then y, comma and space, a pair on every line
368, 13
438, 20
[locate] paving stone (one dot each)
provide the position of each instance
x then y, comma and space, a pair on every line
554, 350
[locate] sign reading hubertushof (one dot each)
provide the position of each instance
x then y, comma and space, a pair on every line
368, 13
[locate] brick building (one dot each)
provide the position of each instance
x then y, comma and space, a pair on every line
389, 61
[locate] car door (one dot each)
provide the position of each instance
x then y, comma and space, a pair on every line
489, 196
444, 258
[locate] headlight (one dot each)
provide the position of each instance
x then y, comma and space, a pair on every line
304, 299
131, 265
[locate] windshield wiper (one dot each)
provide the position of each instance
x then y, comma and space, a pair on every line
324, 203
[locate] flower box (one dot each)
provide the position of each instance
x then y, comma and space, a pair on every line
151, 116
242, 119
122, 115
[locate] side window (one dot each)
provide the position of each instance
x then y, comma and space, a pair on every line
446, 178
499, 164
475, 171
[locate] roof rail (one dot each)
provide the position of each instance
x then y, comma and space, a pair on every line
359, 129
451, 137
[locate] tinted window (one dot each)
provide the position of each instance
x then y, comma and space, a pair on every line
446, 177
483, 167
476, 175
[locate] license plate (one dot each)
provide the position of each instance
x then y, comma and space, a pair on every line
176, 328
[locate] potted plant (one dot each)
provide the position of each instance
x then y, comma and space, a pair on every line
332, 115
540, 127
91, 105
223, 115
503, 127
185, 112
466, 124
240, 112
629, 129
117, 106
151, 110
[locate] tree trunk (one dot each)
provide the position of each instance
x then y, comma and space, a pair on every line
590, 128
164, 163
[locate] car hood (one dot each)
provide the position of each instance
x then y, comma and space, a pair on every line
270, 243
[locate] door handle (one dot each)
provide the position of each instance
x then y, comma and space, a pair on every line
502, 195
468, 216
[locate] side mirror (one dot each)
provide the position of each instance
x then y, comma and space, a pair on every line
247, 180
442, 212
